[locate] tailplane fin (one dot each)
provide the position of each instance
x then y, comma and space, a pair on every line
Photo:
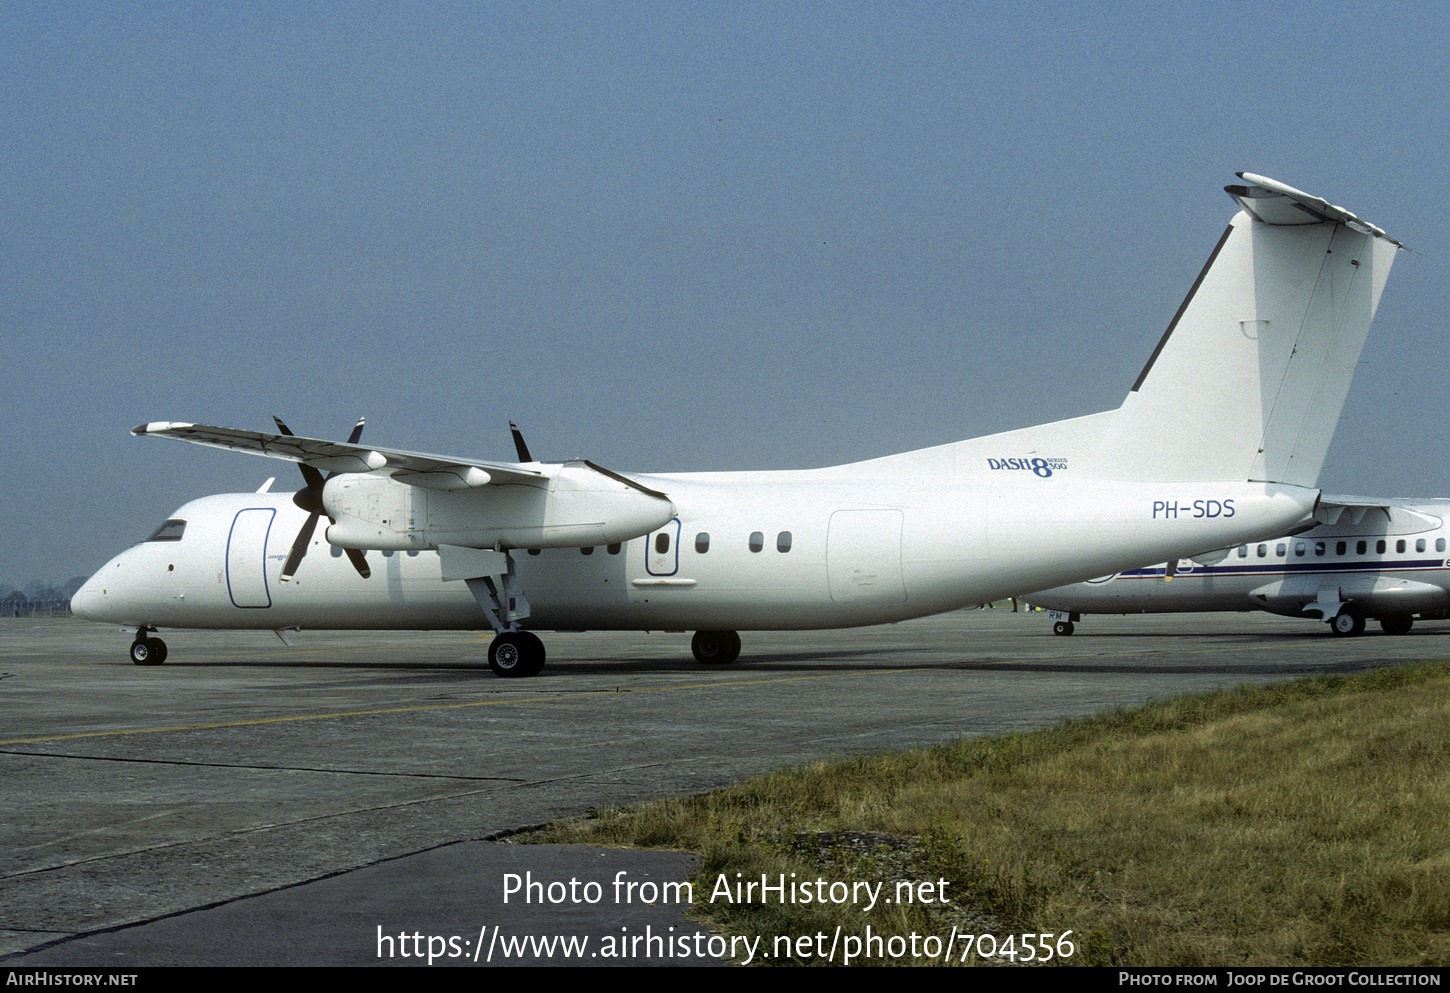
1249, 379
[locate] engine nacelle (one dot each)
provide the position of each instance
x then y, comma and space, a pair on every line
574, 506
1375, 595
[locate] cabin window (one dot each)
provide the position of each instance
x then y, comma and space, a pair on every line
1419, 544
587, 550
1439, 544
169, 531
614, 548
336, 552
1319, 548
1400, 545
1300, 547
1281, 550
782, 542
662, 542
1340, 548
1379, 547
1243, 551
1263, 551
702, 542
1360, 547
535, 551
412, 553
757, 540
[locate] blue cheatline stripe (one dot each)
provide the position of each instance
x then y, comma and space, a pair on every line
1292, 568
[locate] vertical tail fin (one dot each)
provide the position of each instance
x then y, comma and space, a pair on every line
1249, 379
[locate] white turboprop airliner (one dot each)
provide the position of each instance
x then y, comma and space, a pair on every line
1219, 442
1368, 559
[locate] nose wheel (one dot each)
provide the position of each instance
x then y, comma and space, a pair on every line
147, 650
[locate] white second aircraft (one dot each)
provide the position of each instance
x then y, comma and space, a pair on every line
1219, 442
1381, 559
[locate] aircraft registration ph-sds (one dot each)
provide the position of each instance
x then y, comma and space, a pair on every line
1379, 559
1219, 442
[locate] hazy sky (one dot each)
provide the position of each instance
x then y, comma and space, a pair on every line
665, 235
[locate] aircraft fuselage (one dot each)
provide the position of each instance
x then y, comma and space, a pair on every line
756, 551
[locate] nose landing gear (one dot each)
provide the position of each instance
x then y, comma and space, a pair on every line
147, 650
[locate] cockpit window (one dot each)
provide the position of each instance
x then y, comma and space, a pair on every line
170, 531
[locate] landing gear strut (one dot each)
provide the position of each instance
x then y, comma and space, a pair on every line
513, 651
146, 650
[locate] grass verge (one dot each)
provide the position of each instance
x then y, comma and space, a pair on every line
1305, 823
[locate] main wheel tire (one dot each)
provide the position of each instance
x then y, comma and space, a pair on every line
1348, 622
1397, 623
715, 647
516, 654
534, 654
1063, 628
148, 651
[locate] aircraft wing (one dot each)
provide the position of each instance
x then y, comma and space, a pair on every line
415, 468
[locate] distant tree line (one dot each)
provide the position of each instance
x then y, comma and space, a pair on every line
39, 598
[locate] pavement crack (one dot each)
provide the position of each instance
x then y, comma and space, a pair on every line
259, 767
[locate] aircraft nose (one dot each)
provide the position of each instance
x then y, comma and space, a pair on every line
88, 602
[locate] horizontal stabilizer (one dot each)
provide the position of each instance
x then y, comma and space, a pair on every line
1273, 202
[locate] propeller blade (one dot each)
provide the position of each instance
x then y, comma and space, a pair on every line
359, 562
519, 445
309, 498
299, 548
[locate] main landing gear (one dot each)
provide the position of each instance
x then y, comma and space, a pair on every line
1396, 623
516, 653
715, 647
1348, 622
513, 652
147, 650
521, 653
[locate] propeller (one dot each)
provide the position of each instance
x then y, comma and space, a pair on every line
524, 456
309, 498
519, 445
